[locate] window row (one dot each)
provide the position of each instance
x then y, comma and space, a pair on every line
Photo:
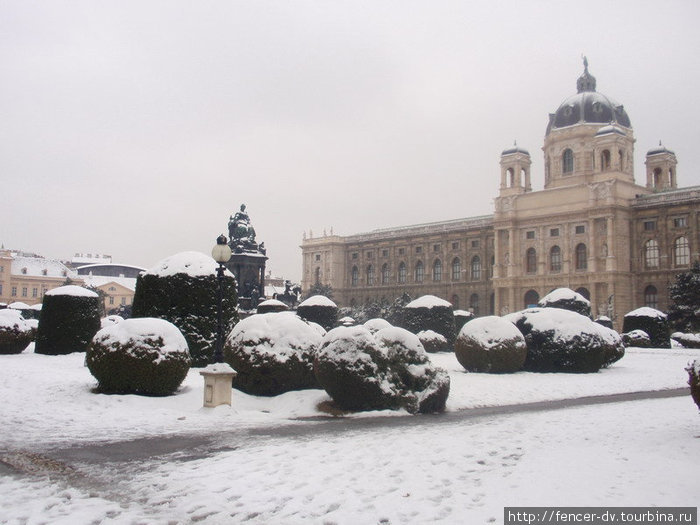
680, 253
604, 161
419, 272
555, 259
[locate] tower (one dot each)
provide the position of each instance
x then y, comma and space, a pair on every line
661, 168
515, 171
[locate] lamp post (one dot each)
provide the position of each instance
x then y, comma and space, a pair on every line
221, 254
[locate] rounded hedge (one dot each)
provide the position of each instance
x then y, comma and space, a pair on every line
271, 305
183, 289
143, 356
15, 332
272, 353
376, 324
693, 370
319, 309
566, 299
686, 340
70, 317
651, 321
491, 344
430, 313
462, 317
562, 341
432, 341
637, 339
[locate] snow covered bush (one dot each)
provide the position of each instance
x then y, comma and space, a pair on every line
430, 313
684, 311
637, 339
653, 322
272, 353
693, 370
605, 321
387, 370
70, 317
686, 340
319, 309
432, 341
376, 324
183, 289
271, 305
143, 356
15, 332
491, 344
110, 320
564, 341
462, 317
566, 299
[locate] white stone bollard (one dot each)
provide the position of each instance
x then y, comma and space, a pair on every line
217, 384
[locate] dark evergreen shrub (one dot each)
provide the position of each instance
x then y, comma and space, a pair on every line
70, 317
430, 313
432, 341
183, 289
387, 370
686, 340
561, 340
614, 347
462, 317
319, 309
566, 299
272, 353
694, 380
143, 356
605, 321
651, 321
684, 312
490, 344
636, 339
271, 305
15, 332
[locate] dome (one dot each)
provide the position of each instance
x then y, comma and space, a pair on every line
515, 149
659, 149
588, 107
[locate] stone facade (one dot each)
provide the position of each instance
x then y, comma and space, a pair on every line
591, 228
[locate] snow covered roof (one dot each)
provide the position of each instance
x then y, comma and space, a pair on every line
428, 301
99, 280
71, 289
40, 267
318, 300
194, 264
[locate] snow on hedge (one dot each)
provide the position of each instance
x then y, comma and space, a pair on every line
428, 301
646, 311
72, 290
194, 264
273, 303
376, 324
564, 323
491, 331
318, 300
139, 331
563, 294
10, 319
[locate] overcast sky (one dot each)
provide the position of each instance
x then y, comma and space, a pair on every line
136, 128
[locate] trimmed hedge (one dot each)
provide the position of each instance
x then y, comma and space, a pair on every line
190, 303
15, 332
651, 321
491, 344
70, 317
430, 313
693, 370
320, 310
139, 356
566, 299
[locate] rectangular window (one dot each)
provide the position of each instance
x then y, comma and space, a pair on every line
554, 232
14, 291
369, 255
419, 249
111, 300
35, 292
0, 289
123, 300
402, 251
24, 291
436, 247
354, 255
385, 253
475, 244
649, 226
580, 229
455, 246
680, 222
318, 256
530, 234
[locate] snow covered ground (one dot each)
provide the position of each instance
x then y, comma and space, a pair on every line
426, 469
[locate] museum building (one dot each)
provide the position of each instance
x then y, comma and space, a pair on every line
591, 229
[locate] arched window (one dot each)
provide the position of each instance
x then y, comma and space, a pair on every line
476, 268
581, 257
354, 276
531, 261
605, 160
510, 177
555, 259
370, 275
584, 292
317, 276
531, 298
656, 179
621, 153
567, 162
651, 297
437, 270
681, 252
385, 273
419, 272
474, 303
651, 254
455, 301
456, 269
402, 272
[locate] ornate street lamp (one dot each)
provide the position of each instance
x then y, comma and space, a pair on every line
221, 254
